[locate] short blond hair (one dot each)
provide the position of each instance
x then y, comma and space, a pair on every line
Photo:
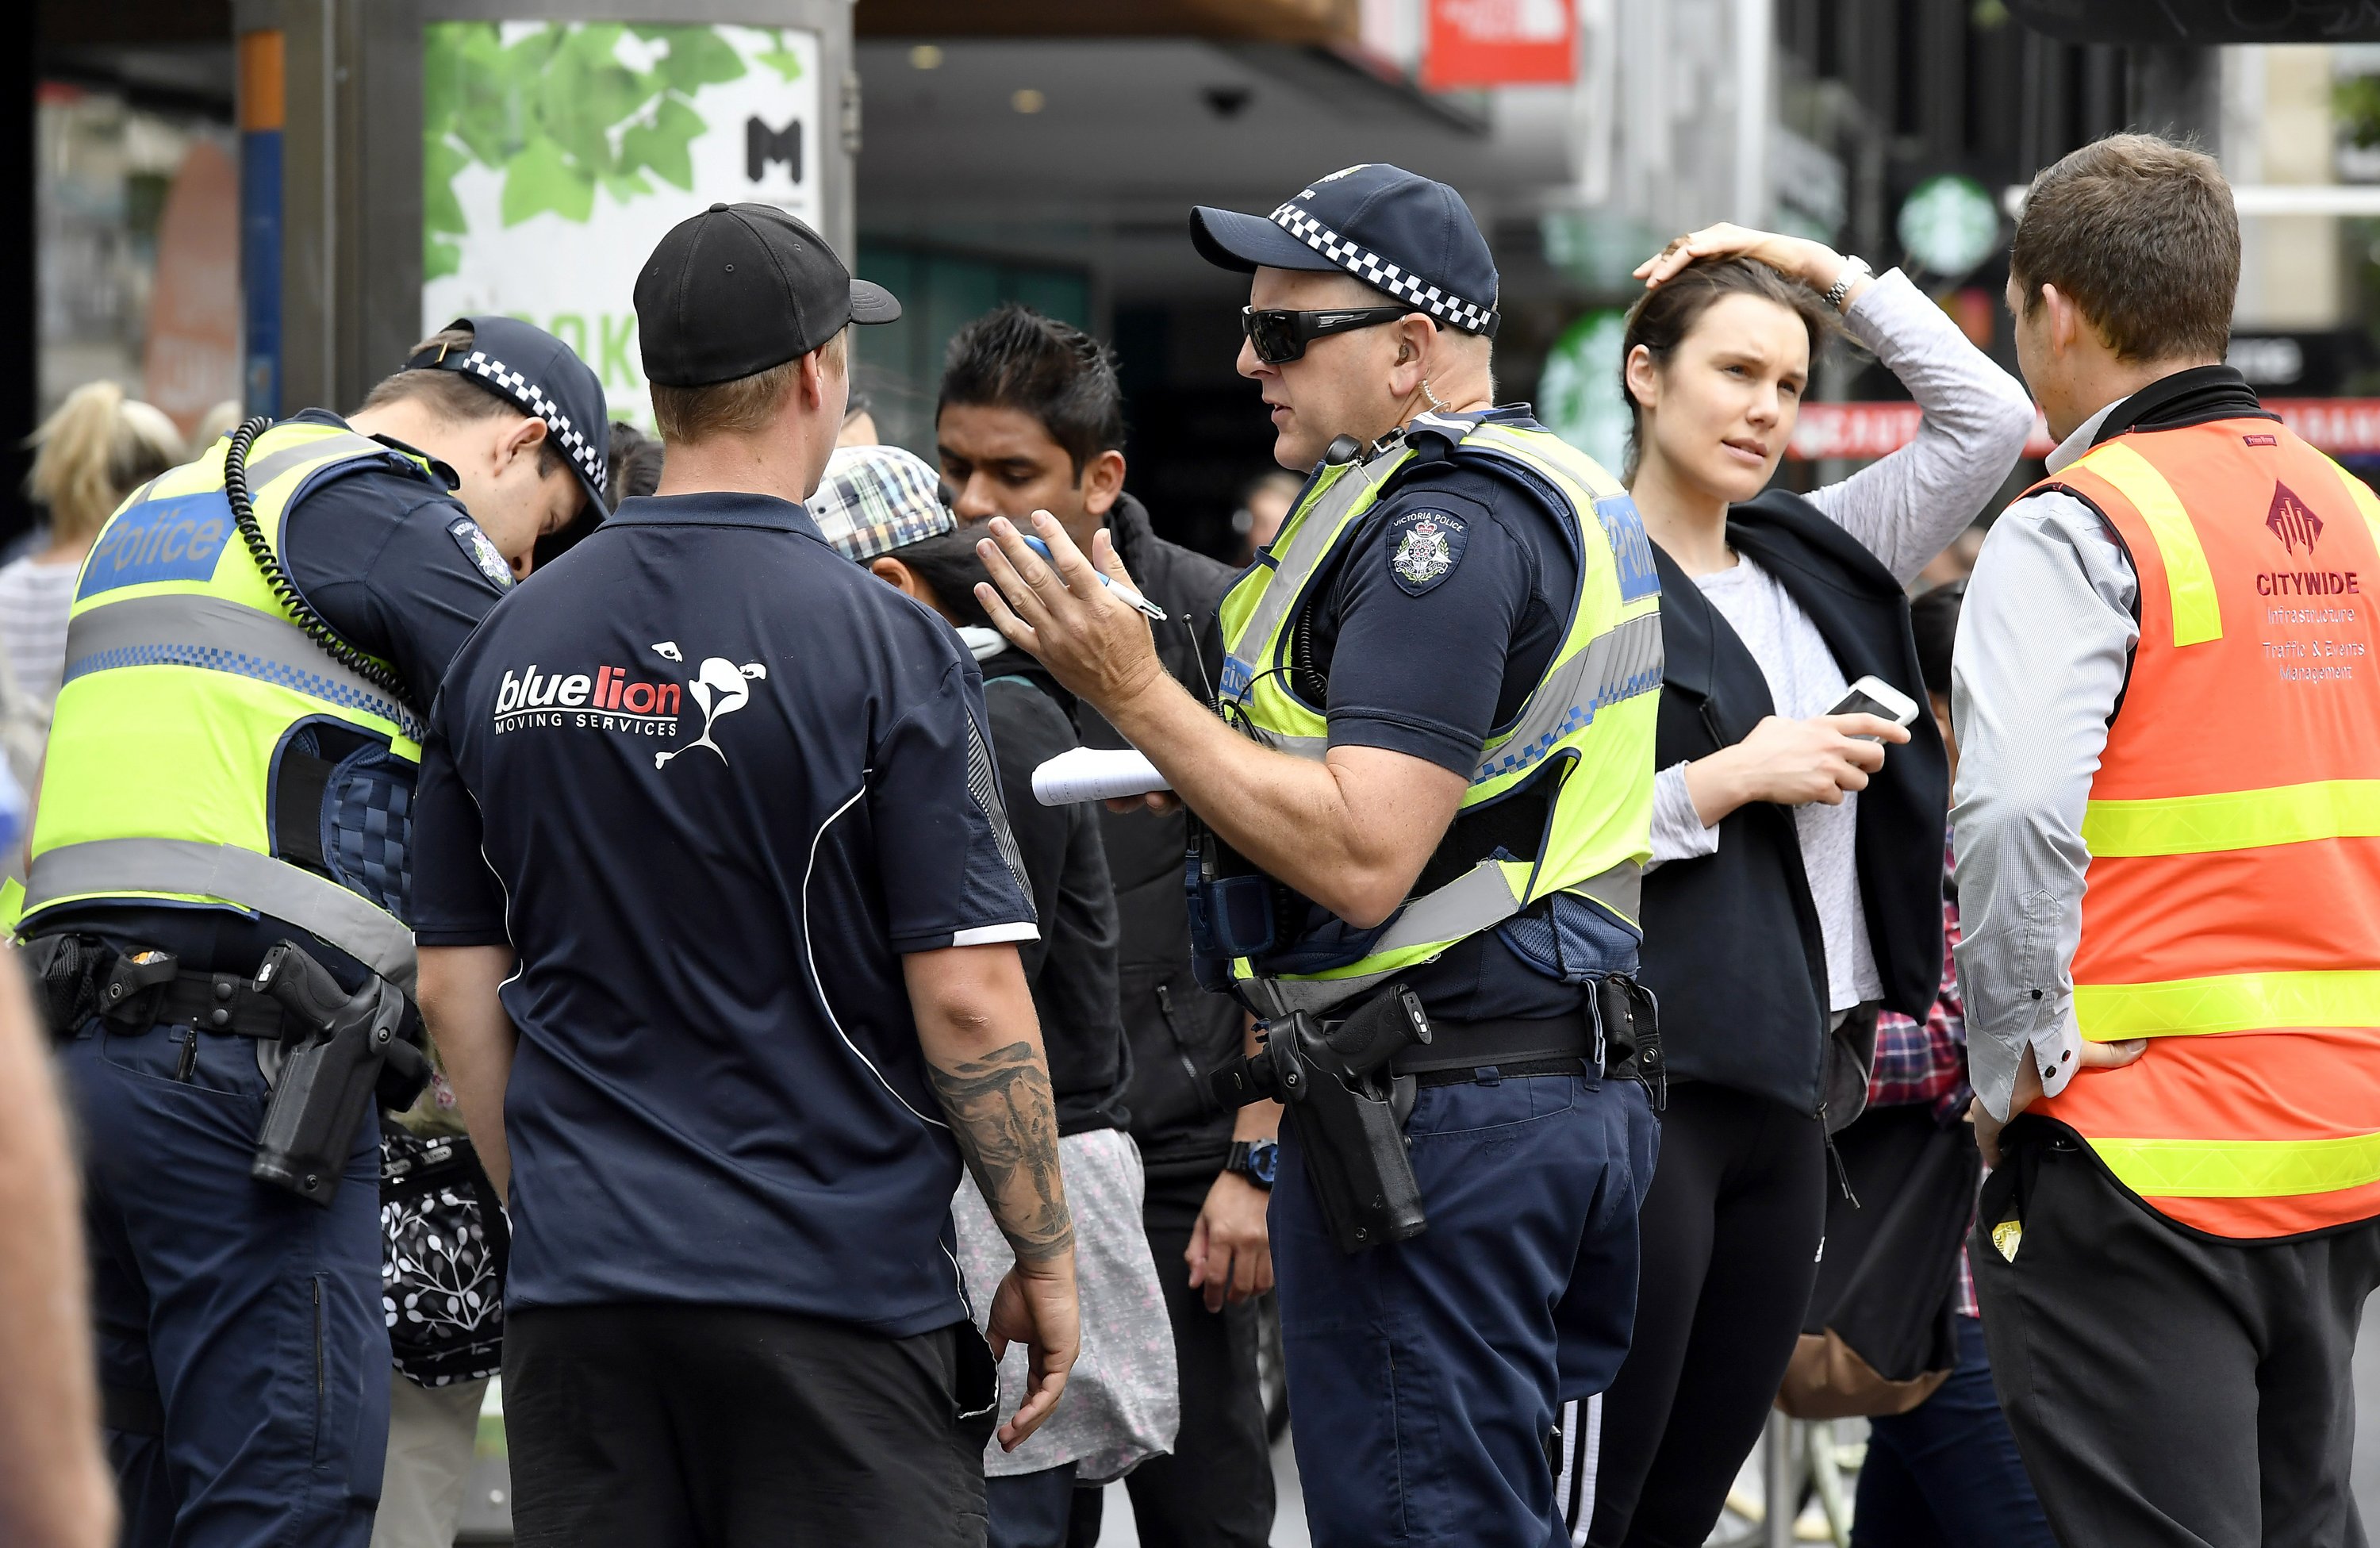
743, 405
97, 448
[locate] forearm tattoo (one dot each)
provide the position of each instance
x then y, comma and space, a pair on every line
1006, 1124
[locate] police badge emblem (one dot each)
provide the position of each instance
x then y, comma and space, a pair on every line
481, 550
1425, 547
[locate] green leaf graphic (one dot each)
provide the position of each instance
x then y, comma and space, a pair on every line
559, 112
441, 210
540, 179
782, 59
662, 144
699, 56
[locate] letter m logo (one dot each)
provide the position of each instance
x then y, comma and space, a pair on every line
763, 145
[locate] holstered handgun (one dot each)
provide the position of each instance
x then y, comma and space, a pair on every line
334, 1057
1332, 1078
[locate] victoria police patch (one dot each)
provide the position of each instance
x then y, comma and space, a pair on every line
1424, 548
481, 550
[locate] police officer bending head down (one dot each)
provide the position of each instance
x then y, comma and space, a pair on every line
255, 642
1424, 810
721, 917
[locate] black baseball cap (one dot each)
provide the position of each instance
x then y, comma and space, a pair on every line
538, 373
1395, 230
741, 287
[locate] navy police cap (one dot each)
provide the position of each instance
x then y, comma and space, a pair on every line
538, 375
1398, 232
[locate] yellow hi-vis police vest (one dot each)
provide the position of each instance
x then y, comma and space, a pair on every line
188, 685
1587, 725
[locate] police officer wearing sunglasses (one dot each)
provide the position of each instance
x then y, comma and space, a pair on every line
1423, 809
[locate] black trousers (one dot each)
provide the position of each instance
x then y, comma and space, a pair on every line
1215, 1491
668, 1426
2167, 1387
1730, 1239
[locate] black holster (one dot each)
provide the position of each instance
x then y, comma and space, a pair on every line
1332, 1078
336, 1051
1627, 1024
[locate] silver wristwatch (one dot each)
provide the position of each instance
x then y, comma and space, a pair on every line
1855, 269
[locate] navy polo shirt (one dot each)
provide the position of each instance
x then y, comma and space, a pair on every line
1427, 651
711, 780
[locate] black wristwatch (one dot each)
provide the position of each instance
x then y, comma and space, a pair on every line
1254, 1160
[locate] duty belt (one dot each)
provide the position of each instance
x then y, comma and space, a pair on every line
1563, 1044
220, 1002
1614, 1033
80, 976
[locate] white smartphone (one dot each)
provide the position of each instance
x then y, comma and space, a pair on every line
1873, 696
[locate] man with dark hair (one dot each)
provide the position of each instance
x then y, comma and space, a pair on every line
255, 644
2163, 679
1031, 418
726, 979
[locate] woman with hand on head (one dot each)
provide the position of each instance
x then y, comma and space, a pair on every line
1797, 854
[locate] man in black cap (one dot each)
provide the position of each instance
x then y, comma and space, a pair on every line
254, 647
1446, 671
720, 913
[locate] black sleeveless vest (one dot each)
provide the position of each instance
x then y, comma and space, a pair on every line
1732, 940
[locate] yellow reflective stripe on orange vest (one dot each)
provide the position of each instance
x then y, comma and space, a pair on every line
2242, 1168
2233, 820
2365, 501
2189, 579
2232, 1002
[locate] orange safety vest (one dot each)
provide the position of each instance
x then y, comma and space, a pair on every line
2232, 905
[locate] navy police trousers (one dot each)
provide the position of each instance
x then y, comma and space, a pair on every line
1426, 1376
242, 1349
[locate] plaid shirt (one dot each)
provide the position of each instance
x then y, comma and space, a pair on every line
1927, 1062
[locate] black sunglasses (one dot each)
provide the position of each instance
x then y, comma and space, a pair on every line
1281, 336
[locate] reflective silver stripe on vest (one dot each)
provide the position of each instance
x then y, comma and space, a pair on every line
107, 867
1479, 899
344, 444
1311, 749
214, 633
1621, 663
1317, 532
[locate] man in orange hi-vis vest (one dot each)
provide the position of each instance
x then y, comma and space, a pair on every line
2167, 683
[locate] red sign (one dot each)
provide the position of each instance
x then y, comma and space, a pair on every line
193, 356
1501, 43
1859, 432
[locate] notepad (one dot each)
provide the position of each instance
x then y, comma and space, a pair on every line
1096, 774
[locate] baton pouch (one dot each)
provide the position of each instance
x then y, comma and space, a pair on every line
77, 977
1627, 1026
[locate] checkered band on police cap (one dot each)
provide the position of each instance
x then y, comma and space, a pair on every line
1410, 237
538, 375
1379, 273
511, 384
875, 499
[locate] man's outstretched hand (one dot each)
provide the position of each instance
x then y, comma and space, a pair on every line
1094, 644
1036, 1308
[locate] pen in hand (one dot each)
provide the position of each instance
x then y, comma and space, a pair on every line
1125, 593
